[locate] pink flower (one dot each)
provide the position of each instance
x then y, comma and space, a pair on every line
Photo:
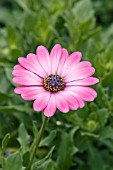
55, 80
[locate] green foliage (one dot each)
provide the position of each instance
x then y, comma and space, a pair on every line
5, 141
82, 139
48, 140
23, 138
13, 162
66, 151
44, 163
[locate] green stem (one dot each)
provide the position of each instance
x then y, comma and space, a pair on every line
37, 141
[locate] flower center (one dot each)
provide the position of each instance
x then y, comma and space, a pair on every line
54, 83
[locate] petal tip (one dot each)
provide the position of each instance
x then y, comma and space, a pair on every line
13, 79
57, 45
20, 59
16, 90
96, 80
41, 49
48, 114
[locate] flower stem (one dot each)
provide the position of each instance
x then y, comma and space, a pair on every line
37, 141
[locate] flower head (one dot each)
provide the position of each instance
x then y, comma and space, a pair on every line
55, 80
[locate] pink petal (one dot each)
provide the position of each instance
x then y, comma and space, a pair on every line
18, 67
76, 96
71, 61
77, 67
42, 100
70, 98
44, 58
80, 74
55, 57
80, 100
84, 82
31, 66
32, 93
51, 107
25, 73
33, 59
24, 77
86, 93
63, 58
21, 89
61, 102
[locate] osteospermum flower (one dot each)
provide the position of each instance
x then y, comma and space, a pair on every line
55, 80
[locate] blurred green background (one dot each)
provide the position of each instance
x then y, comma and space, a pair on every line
79, 140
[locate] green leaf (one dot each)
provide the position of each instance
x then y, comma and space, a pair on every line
23, 5
4, 97
87, 25
9, 75
35, 130
44, 163
95, 158
48, 140
100, 116
53, 7
92, 50
73, 131
48, 156
65, 152
6, 16
26, 158
14, 108
89, 134
106, 132
5, 141
5, 62
40, 26
13, 42
13, 162
12, 37
90, 34
108, 79
108, 53
103, 97
47, 165
30, 20
98, 60
23, 138
83, 11
108, 143
15, 54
